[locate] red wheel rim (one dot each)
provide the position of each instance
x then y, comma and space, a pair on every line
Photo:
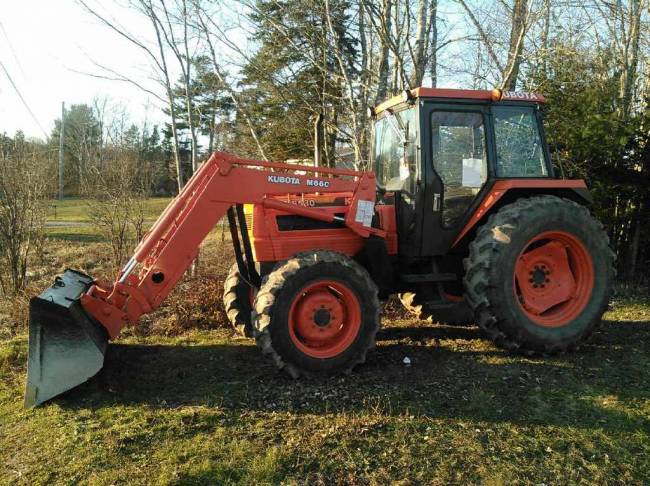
324, 319
554, 278
451, 297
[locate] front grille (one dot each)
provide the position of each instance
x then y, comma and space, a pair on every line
248, 215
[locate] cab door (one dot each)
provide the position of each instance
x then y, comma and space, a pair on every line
456, 149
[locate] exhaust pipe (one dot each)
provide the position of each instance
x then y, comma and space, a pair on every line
66, 345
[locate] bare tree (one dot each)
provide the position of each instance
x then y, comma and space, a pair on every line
519, 25
382, 25
117, 191
433, 42
158, 59
421, 40
203, 22
181, 50
521, 15
24, 189
630, 32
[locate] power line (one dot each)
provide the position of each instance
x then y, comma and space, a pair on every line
13, 51
23, 100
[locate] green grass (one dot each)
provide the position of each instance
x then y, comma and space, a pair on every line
76, 209
206, 408
81, 232
74, 232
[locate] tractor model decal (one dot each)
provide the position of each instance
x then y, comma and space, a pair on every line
295, 181
317, 183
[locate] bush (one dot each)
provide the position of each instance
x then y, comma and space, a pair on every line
24, 191
195, 303
117, 189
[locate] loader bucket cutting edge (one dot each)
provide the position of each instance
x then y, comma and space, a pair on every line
66, 346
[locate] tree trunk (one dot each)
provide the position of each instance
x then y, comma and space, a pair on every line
634, 245
420, 60
433, 43
384, 68
517, 34
213, 127
318, 140
222, 79
188, 88
545, 36
630, 58
364, 76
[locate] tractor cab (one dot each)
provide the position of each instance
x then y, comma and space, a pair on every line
439, 152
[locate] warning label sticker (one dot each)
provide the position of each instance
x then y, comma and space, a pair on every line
365, 212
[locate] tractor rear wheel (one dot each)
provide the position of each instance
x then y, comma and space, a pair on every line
317, 312
539, 275
238, 297
457, 314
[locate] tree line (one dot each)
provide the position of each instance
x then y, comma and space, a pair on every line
298, 84
293, 79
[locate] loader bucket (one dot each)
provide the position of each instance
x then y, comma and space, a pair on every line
66, 346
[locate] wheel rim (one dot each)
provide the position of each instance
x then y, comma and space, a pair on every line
452, 297
324, 319
554, 278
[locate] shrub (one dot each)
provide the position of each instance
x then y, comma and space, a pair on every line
24, 191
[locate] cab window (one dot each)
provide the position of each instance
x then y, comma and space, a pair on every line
395, 150
518, 143
459, 159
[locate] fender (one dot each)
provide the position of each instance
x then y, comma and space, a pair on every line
539, 186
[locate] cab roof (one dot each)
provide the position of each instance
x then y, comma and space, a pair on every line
464, 94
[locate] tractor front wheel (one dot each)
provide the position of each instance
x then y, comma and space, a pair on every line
539, 275
317, 312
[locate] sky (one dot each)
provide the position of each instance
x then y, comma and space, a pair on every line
43, 43
47, 45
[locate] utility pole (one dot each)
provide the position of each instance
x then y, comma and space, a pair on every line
61, 135
318, 140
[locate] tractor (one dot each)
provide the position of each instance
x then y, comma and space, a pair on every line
463, 217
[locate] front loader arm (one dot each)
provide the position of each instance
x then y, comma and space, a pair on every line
168, 249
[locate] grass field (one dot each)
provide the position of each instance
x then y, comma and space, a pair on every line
76, 209
183, 401
69, 219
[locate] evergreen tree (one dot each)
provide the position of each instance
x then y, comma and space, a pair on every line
293, 77
593, 141
82, 142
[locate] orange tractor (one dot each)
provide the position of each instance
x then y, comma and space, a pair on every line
462, 216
